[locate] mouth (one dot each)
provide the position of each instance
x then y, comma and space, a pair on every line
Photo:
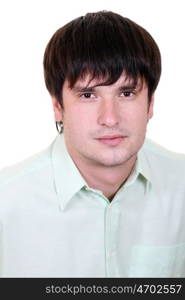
111, 140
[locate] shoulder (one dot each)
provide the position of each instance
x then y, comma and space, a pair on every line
159, 152
24, 170
163, 162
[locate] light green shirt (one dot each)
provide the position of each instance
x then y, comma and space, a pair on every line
53, 225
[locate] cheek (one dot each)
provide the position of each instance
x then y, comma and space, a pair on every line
78, 118
136, 119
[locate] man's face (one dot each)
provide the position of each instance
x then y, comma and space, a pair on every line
104, 125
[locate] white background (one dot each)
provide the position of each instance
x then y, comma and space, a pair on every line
26, 115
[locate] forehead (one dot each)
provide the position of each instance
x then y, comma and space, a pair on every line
88, 82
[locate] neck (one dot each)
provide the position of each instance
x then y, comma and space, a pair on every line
106, 179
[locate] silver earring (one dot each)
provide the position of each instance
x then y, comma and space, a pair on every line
59, 126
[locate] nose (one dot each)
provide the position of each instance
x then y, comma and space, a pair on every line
108, 115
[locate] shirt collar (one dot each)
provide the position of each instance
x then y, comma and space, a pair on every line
68, 180
142, 167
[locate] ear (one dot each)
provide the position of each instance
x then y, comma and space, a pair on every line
58, 111
150, 108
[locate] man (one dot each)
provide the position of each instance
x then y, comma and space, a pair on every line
101, 201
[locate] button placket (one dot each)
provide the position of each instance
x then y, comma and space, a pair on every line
111, 224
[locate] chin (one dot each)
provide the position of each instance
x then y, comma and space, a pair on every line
114, 161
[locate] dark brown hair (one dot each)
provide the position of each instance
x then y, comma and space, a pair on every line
102, 44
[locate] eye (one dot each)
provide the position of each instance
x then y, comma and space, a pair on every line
87, 95
127, 94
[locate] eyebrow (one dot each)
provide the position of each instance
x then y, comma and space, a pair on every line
128, 87
85, 89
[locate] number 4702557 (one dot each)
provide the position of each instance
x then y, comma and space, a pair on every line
159, 288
